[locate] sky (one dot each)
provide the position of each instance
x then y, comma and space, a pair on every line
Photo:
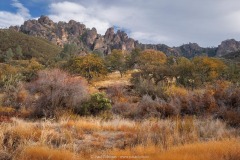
170, 22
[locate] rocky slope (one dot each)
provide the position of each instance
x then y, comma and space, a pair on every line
227, 47
89, 40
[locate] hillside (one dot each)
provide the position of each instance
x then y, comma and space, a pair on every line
235, 56
32, 47
86, 39
73, 32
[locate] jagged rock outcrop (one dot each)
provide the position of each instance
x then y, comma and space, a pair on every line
190, 50
228, 46
160, 47
89, 40
74, 32
59, 33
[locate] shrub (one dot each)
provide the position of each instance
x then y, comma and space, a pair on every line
14, 93
125, 109
221, 101
97, 103
157, 107
55, 90
89, 66
116, 91
148, 86
116, 62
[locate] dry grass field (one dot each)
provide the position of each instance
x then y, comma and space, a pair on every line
94, 138
69, 136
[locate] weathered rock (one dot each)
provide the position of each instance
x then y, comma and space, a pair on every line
99, 43
189, 50
89, 40
109, 35
228, 46
91, 36
46, 21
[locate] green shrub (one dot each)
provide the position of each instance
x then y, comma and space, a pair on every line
97, 104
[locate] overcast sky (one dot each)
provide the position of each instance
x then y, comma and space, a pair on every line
171, 22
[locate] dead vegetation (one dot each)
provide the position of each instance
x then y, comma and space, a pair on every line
190, 126
82, 138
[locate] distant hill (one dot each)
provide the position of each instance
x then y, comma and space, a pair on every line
89, 40
235, 56
32, 47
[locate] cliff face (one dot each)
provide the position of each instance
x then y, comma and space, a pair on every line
89, 40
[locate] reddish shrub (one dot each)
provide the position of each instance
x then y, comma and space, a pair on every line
116, 91
55, 90
125, 109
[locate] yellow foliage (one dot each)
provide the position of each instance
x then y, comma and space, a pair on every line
152, 57
174, 90
6, 69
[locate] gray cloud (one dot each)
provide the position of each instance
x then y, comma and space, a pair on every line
206, 22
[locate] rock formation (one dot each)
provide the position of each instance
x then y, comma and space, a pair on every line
74, 32
228, 46
89, 40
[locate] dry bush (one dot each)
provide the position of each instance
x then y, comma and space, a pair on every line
5, 155
15, 96
154, 108
116, 91
149, 87
56, 90
125, 109
221, 100
232, 117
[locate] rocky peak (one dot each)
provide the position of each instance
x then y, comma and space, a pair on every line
123, 36
192, 46
90, 36
228, 46
44, 20
89, 40
189, 50
109, 35
74, 32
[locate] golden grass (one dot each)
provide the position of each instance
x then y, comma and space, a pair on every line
87, 136
213, 150
27, 132
45, 153
110, 80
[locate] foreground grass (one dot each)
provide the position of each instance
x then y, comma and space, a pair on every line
94, 138
213, 150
